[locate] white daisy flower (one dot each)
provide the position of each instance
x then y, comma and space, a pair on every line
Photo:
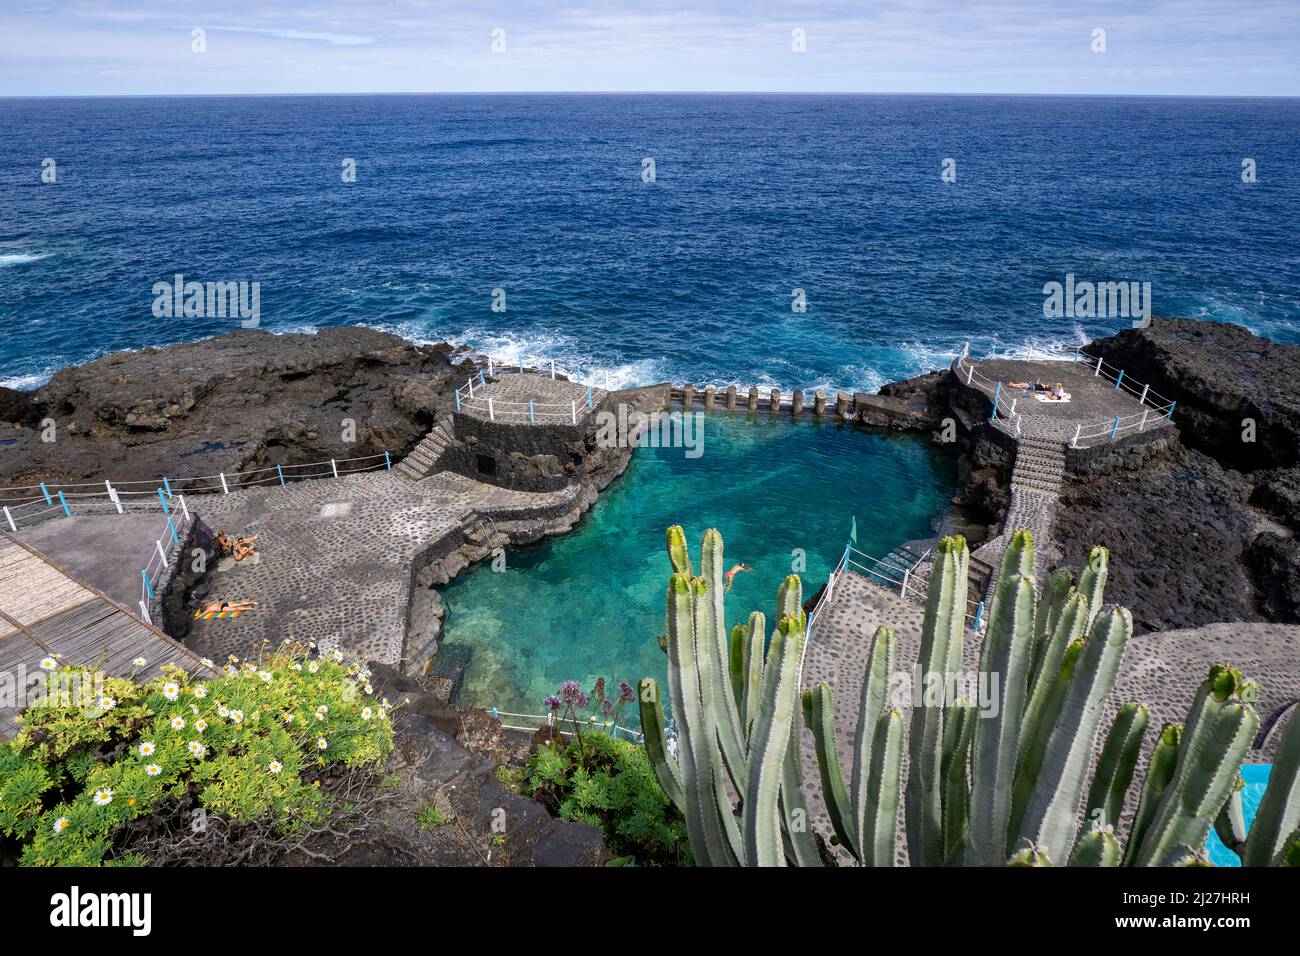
366, 713
200, 725
48, 663
153, 770
200, 691
178, 723
322, 743
61, 824
295, 666
313, 667
103, 797
146, 750
237, 716
275, 766
265, 675
140, 662
288, 718
230, 671
196, 748
171, 691
107, 703
205, 662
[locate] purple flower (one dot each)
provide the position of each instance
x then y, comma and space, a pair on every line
553, 702
607, 708
626, 694
572, 695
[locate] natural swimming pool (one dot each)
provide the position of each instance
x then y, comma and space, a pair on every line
591, 603
1255, 776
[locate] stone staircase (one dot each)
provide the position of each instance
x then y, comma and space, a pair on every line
423, 459
1036, 479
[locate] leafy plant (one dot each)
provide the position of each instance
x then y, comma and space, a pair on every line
610, 784
249, 745
431, 817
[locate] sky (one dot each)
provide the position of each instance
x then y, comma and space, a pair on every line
149, 47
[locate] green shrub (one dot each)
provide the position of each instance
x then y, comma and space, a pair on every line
610, 784
249, 745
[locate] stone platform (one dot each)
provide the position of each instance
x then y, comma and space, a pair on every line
555, 400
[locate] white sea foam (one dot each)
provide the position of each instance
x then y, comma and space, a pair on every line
21, 258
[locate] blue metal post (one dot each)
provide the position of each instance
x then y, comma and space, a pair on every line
457, 401
46, 492
168, 485
280, 471
388, 460
1114, 428
175, 538
531, 417
1171, 411
1119, 379
147, 586
163, 498
588, 397
997, 396
1076, 353
481, 379
64, 501
979, 615
495, 715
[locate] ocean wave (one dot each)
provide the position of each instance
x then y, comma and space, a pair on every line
21, 258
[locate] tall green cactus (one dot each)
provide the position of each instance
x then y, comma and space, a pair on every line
1000, 781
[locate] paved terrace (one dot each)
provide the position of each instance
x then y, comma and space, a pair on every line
554, 400
1160, 670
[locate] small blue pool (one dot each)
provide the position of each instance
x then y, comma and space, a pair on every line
1256, 777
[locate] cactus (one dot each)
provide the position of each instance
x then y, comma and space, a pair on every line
1011, 787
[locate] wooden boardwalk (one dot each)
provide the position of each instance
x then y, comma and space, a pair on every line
45, 612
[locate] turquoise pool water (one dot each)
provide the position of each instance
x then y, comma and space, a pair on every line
1256, 779
591, 603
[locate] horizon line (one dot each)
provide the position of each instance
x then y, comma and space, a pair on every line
898, 93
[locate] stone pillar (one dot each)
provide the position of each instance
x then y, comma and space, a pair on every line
819, 402
753, 398
842, 404
688, 396
710, 395
775, 405
796, 403
859, 402
731, 398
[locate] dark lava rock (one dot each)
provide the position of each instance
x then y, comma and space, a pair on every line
1222, 376
242, 400
1279, 494
1275, 562
1178, 532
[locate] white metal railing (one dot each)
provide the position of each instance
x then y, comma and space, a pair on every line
1155, 407
1004, 404
469, 397
51, 497
549, 720
160, 559
888, 571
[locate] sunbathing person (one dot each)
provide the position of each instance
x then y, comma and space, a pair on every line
243, 547
221, 607
1036, 387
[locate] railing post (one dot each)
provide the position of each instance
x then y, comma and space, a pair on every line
1074, 442
481, 380
1114, 428
10, 518
46, 492
906, 574
532, 416
225, 488
1097, 370
1143, 424
490, 375
457, 399
589, 398
574, 410
1076, 353
552, 368
67, 512
334, 467
1145, 389
148, 588
1119, 379
997, 397
168, 485
144, 613
471, 386
970, 373
388, 460
492, 415
163, 498
979, 616
176, 539
280, 471
162, 555
1170, 416
185, 509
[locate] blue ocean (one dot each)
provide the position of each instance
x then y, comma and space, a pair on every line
689, 276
